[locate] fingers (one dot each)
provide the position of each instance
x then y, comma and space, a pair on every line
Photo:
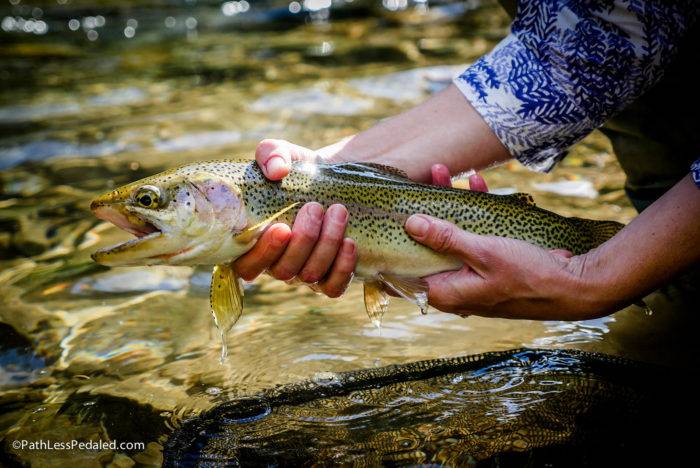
450, 291
314, 244
339, 278
275, 157
305, 233
330, 240
477, 183
444, 237
264, 253
441, 175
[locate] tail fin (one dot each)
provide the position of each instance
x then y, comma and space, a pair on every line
598, 231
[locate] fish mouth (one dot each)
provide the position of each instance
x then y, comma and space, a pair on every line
127, 221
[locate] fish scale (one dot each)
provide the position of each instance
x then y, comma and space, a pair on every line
212, 212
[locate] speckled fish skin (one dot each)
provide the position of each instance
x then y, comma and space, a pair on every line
379, 203
213, 212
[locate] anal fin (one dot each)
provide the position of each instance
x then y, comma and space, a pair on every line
376, 302
412, 289
226, 300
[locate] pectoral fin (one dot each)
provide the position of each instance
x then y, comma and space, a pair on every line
412, 289
226, 299
254, 231
376, 302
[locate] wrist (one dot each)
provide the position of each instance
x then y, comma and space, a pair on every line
332, 152
591, 293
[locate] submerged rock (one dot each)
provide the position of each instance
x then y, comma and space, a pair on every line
409, 85
135, 279
48, 149
311, 101
197, 140
19, 364
569, 188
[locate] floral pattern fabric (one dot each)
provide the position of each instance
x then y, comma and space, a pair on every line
569, 65
695, 173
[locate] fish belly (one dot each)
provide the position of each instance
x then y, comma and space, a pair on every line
414, 262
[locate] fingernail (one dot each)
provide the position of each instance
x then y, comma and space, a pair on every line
338, 213
315, 210
280, 236
275, 165
417, 225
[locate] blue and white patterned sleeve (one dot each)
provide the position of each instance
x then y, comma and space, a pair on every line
569, 65
695, 172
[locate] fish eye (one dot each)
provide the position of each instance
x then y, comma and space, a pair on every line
148, 196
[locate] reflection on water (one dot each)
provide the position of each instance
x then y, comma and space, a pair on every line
521, 408
94, 97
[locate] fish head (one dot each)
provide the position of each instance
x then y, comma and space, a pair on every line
178, 219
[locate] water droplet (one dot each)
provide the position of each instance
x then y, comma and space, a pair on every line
422, 301
326, 378
378, 323
224, 348
295, 7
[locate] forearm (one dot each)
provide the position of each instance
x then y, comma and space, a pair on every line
656, 246
444, 129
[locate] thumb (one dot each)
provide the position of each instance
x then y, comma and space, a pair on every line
275, 157
444, 237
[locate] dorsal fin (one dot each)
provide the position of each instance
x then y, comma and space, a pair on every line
382, 169
520, 197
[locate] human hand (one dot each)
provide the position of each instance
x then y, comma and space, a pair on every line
501, 277
314, 249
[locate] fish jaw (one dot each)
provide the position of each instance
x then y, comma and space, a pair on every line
151, 245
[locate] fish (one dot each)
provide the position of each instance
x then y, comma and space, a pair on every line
212, 212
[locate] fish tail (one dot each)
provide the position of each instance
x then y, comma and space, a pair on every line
597, 231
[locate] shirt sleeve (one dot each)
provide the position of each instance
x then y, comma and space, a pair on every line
568, 66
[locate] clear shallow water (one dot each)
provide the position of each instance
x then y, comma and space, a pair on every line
84, 347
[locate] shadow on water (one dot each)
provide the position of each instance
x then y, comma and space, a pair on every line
94, 95
508, 409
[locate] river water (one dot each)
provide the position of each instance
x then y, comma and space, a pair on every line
95, 94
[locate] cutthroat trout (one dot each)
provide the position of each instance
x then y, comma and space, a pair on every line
213, 212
